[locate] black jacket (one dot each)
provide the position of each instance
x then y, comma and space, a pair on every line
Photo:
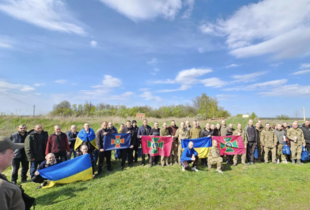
17, 138
155, 132
230, 131
100, 136
205, 133
133, 135
34, 147
71, 139
306, 133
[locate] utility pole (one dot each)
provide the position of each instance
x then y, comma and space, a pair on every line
34, 110
304, 111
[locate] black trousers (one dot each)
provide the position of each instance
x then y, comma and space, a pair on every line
136, 150
250, 151
102, 155
308, 147
153, 160
124, 153
15, 167
37, 179
61, 155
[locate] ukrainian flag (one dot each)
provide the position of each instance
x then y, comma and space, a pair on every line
201, 145
76, 169
83, 137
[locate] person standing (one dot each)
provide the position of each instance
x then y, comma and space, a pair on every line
224, 129
72, 138
297, 139
20, 155
57, 144
188, 125
102, 153
230, 130
206, 132
35, 146
217, 130
174, 147
10, 194
251, 135
269, 141
135, 139
260, 148
240, 132
144, 130
164, 132
154, 132
194, 132
281, 139
113, 130
306, 130
128, 151
182, 133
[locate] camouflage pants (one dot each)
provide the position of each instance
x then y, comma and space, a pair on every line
243, 157
260, 152
174, 148
164, 160
279, 152
273, 152
179, 152
295, 148
216, 161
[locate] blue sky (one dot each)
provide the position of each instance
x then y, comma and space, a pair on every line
251, 55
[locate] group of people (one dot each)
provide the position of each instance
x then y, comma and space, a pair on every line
43, 150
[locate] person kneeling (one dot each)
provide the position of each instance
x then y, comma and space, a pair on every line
50, 160
84, 151
189, 155
215, 158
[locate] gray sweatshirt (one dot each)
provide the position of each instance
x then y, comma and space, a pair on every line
280, 135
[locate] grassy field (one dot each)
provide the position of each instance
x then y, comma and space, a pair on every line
259, 186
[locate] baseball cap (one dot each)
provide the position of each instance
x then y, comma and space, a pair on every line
6, 143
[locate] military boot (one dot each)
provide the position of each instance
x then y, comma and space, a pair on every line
299, 162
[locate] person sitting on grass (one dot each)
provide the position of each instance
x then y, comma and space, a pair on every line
189, 155
84, 151
50, 160
215, 158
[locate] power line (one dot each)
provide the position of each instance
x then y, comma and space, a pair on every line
13, 98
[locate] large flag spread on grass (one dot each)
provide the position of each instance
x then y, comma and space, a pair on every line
83, 136
201, 145
76, 169
230, 145
116, 141
157, 145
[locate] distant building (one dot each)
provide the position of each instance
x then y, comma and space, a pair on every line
140, 115
245, 116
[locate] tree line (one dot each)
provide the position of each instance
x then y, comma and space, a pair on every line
202, 107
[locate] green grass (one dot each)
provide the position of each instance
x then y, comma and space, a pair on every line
259, 186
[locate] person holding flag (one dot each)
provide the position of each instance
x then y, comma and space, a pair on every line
154, 132
107, 154
206, 132
189, 155
182, 133
240, 132
214, 157
164, 132
144, 130
127, 129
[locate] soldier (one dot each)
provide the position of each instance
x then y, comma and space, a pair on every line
188, 125
194, 132
164, 132
240, 132
269, 142
281, 139
297, 139
144, 130
174, 147
260, 148
182, 133
215, 158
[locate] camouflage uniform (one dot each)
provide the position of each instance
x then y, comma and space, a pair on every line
164, 132
269, 140
181, 134
194, 133
215, 158
296, 147
245, 142
260, 147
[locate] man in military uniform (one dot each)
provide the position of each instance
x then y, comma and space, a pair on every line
297, 139
260, 148
214, 157
240, 132
194, 132
164, 132
269, 142
182, 133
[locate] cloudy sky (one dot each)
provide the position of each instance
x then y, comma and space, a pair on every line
251, 55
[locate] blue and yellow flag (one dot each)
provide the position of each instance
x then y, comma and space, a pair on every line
116, 141
201, 145
76, 169
83, 136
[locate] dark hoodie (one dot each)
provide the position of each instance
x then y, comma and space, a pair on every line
306, 131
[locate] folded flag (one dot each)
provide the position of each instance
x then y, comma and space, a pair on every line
157, 145
230, 145
116, 141
83, 137
201, 145
76, 169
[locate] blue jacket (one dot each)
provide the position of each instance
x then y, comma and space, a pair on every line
144, 132
187, 154
44, 165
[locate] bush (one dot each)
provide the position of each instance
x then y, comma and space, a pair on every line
282, 117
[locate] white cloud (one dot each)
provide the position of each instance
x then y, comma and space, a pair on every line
295, 90
156, 69
109, 82
213, 82
143, 10
188, 11
93, 43
153, 61
224, 97
49, 14
147, 95
304, 66
183, 87
278, 27
167, 81
233, 65
262, 85
6, 42
60, 81
6, 86
301, 72
247, 77
275, 64
38, 84
5, 45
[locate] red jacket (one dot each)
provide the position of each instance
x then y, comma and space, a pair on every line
53, 146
